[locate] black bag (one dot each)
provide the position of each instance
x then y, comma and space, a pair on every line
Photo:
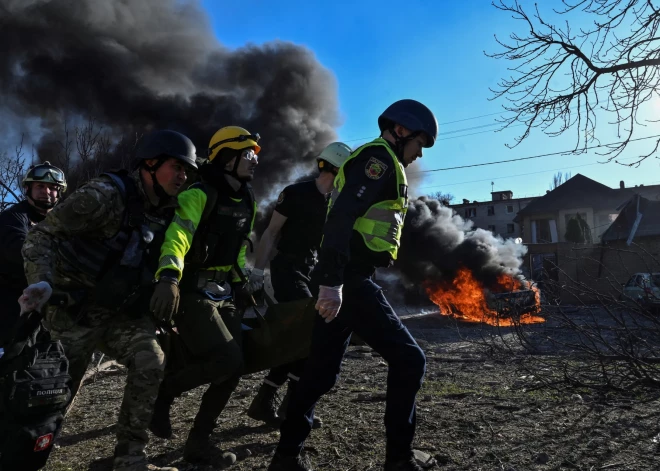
282, 335
35, 388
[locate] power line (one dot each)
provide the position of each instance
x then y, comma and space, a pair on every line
479, 132
474, 117
565, 152
448, 122
508, 176
456, 131
503, 112
533, 156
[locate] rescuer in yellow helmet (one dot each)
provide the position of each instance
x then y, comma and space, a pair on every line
202, 262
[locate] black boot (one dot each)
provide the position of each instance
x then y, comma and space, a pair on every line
161, 425
402, 464
200, 450
289, 463
281, 411
264, 406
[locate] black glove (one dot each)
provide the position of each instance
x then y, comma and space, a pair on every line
165, 300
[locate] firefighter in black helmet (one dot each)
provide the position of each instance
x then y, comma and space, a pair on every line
43, 186
99, 250
362, 231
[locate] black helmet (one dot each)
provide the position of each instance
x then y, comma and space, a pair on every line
47, 173
412, 115
166, 143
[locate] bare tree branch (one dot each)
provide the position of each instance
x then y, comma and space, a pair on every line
12, 170
611, 68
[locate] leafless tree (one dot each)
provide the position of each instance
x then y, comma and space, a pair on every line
12, 170
598, 336
86, 150
444, 198
611, 69
559, 178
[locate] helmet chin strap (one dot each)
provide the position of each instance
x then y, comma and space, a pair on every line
234, 171
400, 142
45, 205
42, 204
160, 192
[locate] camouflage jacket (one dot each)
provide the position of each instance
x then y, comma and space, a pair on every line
95, 211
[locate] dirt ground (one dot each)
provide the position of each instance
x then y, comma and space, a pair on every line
476, 411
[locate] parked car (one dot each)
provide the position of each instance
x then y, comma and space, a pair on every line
643, 288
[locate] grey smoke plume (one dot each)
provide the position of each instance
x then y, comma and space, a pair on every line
136, 65
436, 243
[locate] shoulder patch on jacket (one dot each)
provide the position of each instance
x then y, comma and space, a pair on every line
280, 199
375, 168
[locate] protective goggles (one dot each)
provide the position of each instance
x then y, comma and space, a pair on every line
250, 155
242, 138
42, 173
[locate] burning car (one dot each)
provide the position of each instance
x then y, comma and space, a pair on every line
507, 301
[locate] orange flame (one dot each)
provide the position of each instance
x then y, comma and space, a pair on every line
465, 298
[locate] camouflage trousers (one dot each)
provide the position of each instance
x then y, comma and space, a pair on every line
132, 342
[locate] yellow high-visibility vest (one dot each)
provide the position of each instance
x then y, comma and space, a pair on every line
382, 224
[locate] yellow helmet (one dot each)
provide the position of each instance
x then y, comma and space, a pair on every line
232, 137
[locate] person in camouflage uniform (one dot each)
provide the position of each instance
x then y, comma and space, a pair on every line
90, 249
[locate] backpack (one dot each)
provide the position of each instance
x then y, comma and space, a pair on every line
35, 389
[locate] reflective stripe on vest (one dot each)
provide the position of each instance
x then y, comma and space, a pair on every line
382, 223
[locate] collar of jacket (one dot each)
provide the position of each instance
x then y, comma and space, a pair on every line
33, 215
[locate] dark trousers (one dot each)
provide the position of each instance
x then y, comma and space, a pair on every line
211, 331
291, 279
366, 312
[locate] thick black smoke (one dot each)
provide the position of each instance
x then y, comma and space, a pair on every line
137, 65
436, 243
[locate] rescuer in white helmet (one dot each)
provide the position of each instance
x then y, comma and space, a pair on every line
297, 221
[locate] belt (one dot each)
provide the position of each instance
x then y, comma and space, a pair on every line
307, 260
212, 275
199, 279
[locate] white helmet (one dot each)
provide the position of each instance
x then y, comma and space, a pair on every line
335, 153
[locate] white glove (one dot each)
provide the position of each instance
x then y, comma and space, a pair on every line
34, 297
329, 302
255, 282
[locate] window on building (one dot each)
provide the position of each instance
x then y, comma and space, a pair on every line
544, 230
509, 208
470, 212
491, 210
491, 228
510, 229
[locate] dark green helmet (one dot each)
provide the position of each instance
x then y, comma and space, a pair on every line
45, 173
166, 143
413, 116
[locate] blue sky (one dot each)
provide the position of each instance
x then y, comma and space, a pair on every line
381, 51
